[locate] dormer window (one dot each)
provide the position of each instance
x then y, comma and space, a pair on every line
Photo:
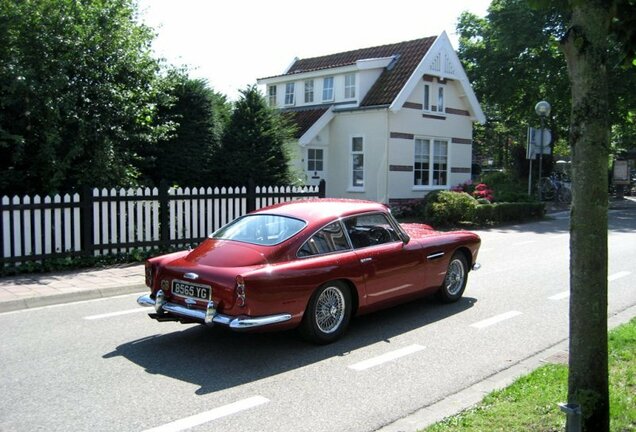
309, 91
289, 93
272, 95
350, 86
327, 89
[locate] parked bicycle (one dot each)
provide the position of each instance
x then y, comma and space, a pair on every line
556, 188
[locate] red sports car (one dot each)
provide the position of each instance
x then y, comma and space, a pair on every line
310, 264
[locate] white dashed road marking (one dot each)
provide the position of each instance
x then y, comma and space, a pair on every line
560, 296
114, 314
208, 416
387, 357
496, 319
618, 275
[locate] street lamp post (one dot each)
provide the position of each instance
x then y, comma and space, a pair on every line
543, 110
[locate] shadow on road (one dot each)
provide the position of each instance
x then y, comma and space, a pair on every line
216, 358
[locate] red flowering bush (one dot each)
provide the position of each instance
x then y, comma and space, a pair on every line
483, 191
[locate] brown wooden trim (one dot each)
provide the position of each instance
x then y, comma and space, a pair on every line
428, 78
461, 141
457, 170
401, 168
413, 105
401, 135
435, 117
457, 112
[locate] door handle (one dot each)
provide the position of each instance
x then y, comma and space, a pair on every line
365, 260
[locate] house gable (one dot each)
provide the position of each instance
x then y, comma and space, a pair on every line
441, 61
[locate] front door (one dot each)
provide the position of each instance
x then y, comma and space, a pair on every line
315, 164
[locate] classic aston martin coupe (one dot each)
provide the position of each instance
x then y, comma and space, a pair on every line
311, 264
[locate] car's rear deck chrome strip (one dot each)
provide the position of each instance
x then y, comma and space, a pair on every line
235, 323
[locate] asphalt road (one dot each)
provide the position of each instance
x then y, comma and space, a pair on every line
102, 365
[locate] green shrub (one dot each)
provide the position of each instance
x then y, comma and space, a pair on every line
508, 212
449, 208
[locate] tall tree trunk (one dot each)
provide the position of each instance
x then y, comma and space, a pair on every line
585, 47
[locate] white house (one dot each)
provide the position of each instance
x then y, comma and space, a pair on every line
386, 123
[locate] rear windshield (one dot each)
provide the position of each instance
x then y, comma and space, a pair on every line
260, 229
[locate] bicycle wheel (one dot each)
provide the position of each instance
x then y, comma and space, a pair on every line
547, 189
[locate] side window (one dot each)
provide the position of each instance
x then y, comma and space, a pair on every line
329, 239
370, 230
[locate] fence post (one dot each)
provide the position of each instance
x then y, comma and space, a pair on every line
87, 221
251, 195
164, 213
322, 189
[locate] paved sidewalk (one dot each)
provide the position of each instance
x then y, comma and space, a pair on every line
44, 289
36, 290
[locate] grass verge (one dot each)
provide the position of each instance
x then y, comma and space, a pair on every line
530, 403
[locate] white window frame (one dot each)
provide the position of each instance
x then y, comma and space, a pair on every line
309, 91
271, 94
318, 157
434, 143
350, 86
434, 93
352, 157
290, 97
327, 97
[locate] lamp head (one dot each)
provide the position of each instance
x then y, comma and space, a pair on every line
542, 109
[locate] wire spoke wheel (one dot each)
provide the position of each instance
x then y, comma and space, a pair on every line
330, 310
455, 280
328, 313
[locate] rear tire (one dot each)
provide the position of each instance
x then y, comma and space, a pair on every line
455, 280
328, 313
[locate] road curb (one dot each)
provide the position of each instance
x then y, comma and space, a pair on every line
472, 395
70, 297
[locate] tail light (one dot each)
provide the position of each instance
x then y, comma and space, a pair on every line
149, 274
240, 290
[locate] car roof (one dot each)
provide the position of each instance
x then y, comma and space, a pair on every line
323, 209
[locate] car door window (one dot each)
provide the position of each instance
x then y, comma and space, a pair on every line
329, 239
370, 230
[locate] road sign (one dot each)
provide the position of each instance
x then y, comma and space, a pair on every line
534, 142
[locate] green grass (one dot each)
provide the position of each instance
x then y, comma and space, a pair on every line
530, 403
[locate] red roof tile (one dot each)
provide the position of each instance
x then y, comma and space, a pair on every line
304, 118
386, 88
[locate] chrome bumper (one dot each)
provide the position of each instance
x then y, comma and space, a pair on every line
476, 266
210, 316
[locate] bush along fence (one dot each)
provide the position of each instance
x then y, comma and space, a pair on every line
114, 221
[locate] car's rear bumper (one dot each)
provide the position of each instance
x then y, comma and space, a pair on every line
166, 311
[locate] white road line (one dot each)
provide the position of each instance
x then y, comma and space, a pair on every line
560, 296
114, 314
208, 416
496, 319
387, 357
618, 275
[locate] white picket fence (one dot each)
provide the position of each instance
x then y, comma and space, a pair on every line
107, 221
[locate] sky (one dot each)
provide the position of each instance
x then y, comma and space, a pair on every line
232, 43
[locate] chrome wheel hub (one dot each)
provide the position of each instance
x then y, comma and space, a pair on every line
330, 310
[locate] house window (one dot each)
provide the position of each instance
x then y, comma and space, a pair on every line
327, 89
289, 93
440, 99
314, 159
431, 162
357, 163
350, 86
272, 96
309, 91
427, 97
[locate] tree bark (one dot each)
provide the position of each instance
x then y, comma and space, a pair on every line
586, 46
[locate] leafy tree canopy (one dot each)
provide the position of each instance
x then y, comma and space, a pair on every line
513, 59
254, 143
78, 94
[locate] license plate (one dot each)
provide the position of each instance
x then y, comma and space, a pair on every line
191, 290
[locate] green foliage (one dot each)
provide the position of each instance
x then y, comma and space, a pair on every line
507, 187
513, 59
77, 94
198, 115
254, 143
530, 403
449, 208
